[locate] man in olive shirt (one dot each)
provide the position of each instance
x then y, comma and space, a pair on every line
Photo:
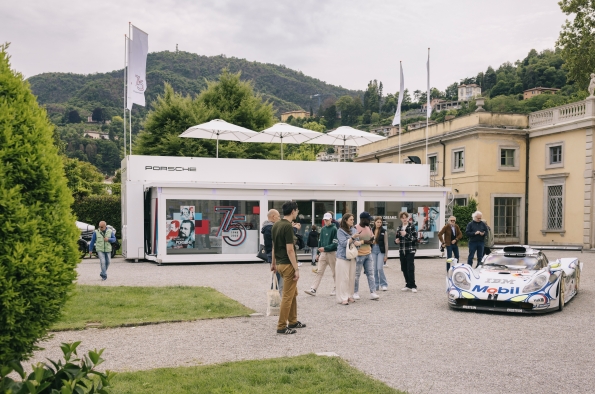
285, 262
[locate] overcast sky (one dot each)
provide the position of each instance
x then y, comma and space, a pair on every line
342, 42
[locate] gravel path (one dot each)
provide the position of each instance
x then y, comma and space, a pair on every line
412, 342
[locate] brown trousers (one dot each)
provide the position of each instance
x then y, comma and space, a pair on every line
288, 311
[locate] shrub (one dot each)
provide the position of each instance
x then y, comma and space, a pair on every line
93, 209
463, 215
74, 376
38, 236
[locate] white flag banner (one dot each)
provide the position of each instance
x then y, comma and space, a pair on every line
397, 119
428, 67
138, 47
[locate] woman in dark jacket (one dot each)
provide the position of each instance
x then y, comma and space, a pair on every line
313, 242
379, 253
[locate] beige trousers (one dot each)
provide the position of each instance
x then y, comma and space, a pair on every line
326, 259
288, 310
344, 279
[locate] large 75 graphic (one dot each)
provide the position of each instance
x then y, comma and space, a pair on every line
231, 224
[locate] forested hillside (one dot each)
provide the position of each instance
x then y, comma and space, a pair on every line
186, 72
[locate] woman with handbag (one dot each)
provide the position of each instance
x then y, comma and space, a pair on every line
346, 254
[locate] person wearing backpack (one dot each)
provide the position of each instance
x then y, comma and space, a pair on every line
102, 239
313, 242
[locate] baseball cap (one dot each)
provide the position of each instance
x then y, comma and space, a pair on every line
365, 215
327, 216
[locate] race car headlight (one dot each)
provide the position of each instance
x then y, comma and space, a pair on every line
535, 284
460, 280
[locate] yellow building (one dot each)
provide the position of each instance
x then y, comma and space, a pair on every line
295, 114
485, 156
561, 175
479, 156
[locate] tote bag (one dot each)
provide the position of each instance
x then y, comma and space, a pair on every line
351, 251
273, 298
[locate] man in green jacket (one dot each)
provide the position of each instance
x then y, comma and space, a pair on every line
327, 246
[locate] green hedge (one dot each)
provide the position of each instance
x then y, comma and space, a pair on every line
93, 209
463, 215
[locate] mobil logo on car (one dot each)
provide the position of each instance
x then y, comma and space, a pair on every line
496, 290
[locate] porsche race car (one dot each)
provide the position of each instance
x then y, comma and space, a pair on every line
516, 279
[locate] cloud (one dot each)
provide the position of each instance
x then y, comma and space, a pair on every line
345, 43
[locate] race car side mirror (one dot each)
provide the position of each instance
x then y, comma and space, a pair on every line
554, 265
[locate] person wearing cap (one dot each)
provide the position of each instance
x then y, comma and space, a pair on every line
327, 246
364, 256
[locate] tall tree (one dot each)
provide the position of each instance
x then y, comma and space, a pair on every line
38, 248
229, 99
98, 115
489, 78
577, 39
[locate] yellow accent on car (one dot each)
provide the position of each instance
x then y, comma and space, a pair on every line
518, 298
467, 295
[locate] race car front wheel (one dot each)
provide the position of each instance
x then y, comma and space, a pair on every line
561, 291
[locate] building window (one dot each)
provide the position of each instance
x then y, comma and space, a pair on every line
554, 207
554, 155
433, 162
458, 160
460, 202
507, 219
507, 157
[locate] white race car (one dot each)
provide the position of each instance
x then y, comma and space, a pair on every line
515, 279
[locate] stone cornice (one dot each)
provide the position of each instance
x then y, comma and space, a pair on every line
474, 130
577, 124
554, 176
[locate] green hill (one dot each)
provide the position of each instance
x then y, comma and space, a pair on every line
287, 89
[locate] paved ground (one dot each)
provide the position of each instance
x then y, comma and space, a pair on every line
410, 341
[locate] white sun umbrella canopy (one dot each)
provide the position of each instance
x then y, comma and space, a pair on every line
220, 130
346, 136
283, 132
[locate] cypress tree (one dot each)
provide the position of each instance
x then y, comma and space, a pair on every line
38, 251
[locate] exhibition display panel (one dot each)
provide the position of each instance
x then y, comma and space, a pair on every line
190, 210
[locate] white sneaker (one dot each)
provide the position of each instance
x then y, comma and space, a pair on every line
405, 289
300, 264
384, 288
312, 292
374, 296
356, 296
334, 292
414, 290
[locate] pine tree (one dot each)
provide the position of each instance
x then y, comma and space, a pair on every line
38, 250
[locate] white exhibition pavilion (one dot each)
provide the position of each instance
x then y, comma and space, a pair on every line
192, 210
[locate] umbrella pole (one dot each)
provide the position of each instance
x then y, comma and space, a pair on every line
281, 147
217, 145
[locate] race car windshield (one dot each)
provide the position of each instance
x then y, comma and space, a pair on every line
511, 262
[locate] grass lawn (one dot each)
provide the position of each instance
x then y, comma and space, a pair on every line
303, 374
122, 306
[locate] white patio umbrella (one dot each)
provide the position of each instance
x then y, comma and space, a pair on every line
283, 132
346, 136
220, 130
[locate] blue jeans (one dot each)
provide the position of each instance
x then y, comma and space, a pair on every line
450, 250
314, 253
104, 260
475, 246
368, 264
378, 260
279, 277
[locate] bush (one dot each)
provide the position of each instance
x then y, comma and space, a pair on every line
463, 215
93, 209
74, 376
38, 236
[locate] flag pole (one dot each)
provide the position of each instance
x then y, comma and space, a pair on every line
428, 106
130, 110
125, 83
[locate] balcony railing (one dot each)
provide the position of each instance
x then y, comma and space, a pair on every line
563, 114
